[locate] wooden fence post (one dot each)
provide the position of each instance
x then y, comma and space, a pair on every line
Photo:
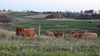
39, 30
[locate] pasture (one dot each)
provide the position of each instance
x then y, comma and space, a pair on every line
12, 45
53, 25
59, 26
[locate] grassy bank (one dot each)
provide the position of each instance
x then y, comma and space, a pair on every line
51, 47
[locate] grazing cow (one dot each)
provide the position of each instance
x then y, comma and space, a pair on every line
19, 30
49, 33
60, 34
25, 32
77, 35
89, 34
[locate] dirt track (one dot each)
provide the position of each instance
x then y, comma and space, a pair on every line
64, 19
37, 16
23, 19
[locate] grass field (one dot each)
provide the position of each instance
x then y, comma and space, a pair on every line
49, 47
12, 45
60, 26
18, 14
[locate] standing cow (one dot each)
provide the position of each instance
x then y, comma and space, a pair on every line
25, 32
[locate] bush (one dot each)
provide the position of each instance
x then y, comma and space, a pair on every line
51, 16
98, 26
6, 18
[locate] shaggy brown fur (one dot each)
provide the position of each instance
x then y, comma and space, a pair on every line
77, 35
89, 34
60, 34
49, 33
25, 32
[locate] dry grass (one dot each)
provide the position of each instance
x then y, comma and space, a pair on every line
12, 45
68, 19
23, 19
11, 35
37, 16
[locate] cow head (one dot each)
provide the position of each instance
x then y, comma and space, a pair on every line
19, 30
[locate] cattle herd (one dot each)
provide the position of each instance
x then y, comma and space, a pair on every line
31, 32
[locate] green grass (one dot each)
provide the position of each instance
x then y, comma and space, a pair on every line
52, 47
11, 45
18, 14
60, 23
47, 23
60, 26
52, 25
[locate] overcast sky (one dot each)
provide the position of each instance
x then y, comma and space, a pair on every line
50, 5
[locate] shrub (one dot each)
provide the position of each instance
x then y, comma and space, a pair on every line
98, 26
51, 16
6, 18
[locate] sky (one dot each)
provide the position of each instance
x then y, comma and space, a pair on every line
50, 5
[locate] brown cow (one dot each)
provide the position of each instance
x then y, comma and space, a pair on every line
25, 32
89, 34
19, 30
49, 33
77, 35
60, 34
30, 32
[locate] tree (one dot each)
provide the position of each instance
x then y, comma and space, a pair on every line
88, 11
9, 10
4, 10
99, 11
81, 11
